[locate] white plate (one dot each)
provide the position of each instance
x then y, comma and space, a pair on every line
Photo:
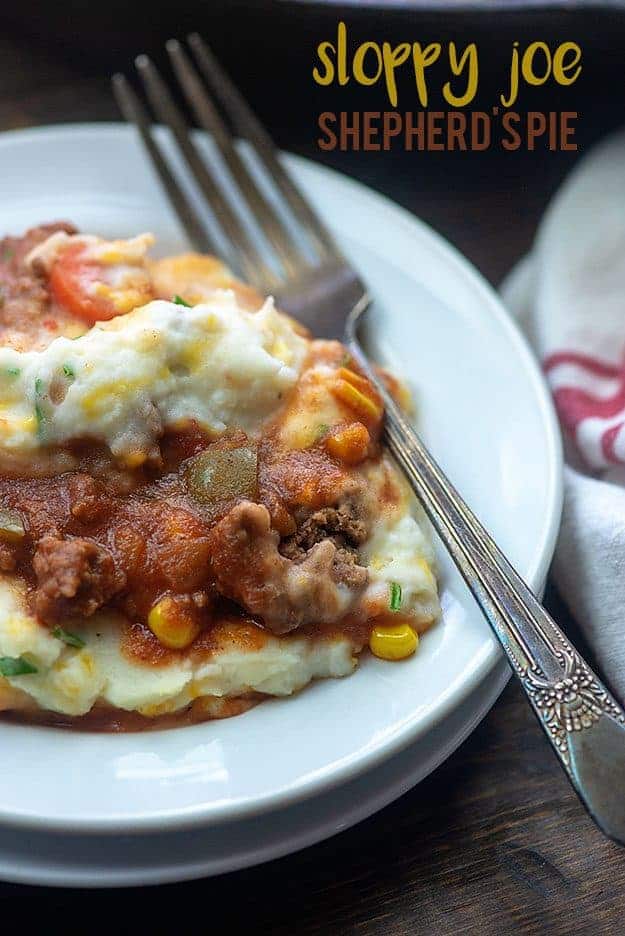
483, 409
58, 860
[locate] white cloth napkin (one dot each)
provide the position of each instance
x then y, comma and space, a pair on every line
569, 297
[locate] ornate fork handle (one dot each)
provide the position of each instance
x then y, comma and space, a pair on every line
584, 723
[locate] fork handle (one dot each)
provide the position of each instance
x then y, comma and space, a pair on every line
582, 720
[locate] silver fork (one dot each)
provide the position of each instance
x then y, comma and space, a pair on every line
583, 722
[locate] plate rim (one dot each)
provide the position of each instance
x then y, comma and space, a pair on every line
202, 814
306, 834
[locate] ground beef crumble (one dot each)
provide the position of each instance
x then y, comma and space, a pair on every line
74, 576
343, 528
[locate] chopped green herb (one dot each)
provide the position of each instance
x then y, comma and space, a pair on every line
72, 640
39, 415
322, 428
395, 602
68, 370
345, 360
7, 254
13, 371
16, 666
180, 301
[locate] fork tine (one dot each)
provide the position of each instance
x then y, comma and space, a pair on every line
248, 126
134, 113
251, 262
209, 119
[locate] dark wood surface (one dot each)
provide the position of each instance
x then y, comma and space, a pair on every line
494, 842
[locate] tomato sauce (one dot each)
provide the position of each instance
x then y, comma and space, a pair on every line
155, 530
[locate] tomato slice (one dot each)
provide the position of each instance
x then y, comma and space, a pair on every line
72, 281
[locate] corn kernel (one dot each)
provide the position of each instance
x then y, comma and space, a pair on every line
426, 569
349, 444
175, 625
361, 383
112, 255
359, 402
393, 642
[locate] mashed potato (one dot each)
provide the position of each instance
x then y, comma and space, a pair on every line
72, 680
124, 380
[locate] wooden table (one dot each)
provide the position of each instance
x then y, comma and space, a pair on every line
494, 842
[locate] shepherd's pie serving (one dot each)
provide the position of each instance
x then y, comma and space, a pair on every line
195, 510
